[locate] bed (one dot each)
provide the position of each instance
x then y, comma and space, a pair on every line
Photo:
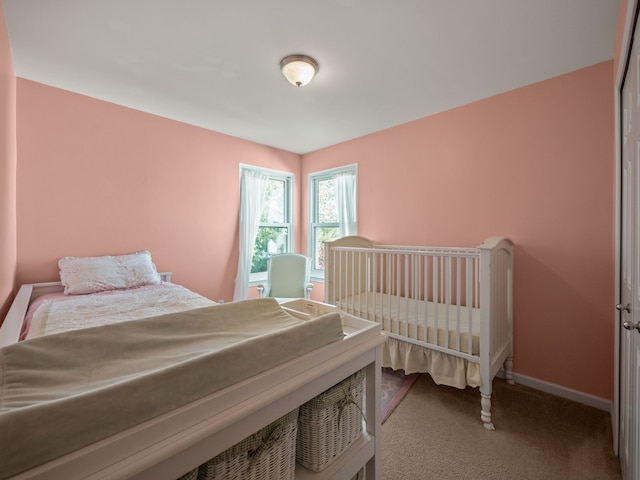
153, 397
447, 311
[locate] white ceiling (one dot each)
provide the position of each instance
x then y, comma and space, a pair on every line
215, 63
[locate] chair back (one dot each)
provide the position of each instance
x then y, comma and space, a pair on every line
288, 275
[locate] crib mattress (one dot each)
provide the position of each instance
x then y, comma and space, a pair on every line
61, 392
419, 319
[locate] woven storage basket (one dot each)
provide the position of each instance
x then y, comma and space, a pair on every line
267, 454
192, 475
329, 423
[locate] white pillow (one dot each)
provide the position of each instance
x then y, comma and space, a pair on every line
81, 275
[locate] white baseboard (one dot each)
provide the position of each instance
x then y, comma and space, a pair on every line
563, 392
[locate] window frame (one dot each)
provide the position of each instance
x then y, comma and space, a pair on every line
314, 179
288, 179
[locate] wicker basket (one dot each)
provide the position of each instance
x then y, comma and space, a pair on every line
192, 475
267, 454
329, 423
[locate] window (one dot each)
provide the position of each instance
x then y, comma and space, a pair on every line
275, 227
332, 211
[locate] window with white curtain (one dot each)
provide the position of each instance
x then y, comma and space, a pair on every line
275, 227
333, 210
266, 223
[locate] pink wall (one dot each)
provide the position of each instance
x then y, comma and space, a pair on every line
96, 178
534, 164
7, 171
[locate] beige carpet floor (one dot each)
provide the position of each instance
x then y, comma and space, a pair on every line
436, 433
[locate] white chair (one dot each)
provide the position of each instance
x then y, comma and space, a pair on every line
287, 277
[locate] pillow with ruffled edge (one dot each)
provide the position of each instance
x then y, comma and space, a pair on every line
82, 275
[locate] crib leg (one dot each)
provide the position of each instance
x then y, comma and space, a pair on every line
485, 413
508, 370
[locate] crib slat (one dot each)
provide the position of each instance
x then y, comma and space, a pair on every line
457, 303
418, 285
435, 286
470, 301
426, 299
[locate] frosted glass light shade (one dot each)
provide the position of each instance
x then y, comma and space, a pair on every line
298, 69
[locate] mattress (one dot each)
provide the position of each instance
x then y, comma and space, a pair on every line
61, 392
419, 319
57, 312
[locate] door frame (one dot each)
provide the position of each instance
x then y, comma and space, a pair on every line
621, 69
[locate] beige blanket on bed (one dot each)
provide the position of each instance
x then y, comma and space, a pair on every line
61, 392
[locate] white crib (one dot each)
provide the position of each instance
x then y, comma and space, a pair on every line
447, 311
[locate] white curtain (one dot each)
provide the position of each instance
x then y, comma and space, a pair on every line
345, 187
252, 188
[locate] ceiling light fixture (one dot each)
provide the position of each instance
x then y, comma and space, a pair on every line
298, 69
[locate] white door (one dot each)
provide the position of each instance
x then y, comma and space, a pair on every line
629, 306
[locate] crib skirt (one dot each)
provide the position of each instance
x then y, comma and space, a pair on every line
444, 369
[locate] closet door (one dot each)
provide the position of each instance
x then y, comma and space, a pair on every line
629, 306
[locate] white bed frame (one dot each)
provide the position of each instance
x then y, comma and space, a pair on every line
172, 444
467, 278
